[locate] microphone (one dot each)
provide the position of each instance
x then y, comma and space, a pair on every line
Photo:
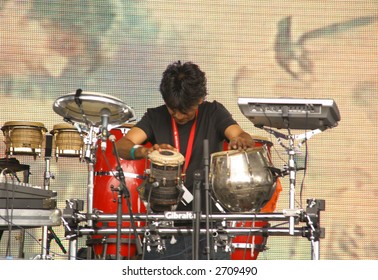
105, 114
197, 212
77, 97
49, 143
197, 190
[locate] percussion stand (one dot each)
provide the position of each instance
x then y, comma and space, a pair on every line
292, 169
90, 142
48, 175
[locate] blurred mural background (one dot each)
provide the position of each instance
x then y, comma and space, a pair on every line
299, 49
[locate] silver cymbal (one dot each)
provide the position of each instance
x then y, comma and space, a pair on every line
87, 107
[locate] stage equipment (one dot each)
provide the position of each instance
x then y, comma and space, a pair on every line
12, 166
164, 224
291, 113
25, 205
311, 115
93, 114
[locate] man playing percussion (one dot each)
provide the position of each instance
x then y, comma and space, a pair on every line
182, 124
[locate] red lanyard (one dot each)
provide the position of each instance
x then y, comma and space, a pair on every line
190, 141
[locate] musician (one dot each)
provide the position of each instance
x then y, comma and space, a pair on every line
182, 124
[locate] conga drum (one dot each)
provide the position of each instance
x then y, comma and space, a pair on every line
248, 247
24, 138
105, 198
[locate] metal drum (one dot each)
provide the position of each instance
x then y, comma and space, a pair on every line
67, 141
24, 138
162, 189
248, 247
242, 181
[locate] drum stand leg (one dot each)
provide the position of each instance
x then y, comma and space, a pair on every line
72, 249
312, 218
90, 188
315, 250
48, 175
45, 253
292, 179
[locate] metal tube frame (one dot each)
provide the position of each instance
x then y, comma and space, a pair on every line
312, 231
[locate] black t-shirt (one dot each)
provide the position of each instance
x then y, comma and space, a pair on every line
212, 120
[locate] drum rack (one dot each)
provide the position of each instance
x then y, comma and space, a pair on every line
308, 225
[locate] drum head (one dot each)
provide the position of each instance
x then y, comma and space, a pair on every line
87, 108
23, 124
63, 126
166, 157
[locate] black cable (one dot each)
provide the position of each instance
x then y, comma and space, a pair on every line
271, 138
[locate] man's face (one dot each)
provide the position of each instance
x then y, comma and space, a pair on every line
183, 117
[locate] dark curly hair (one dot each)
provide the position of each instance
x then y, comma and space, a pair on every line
183, 85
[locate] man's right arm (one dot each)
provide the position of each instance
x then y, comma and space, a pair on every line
127, 145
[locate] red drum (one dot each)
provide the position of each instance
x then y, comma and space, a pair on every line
248, 247
105, 198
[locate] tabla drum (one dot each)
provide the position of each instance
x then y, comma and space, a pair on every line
162, 189
67, 141
241, 180
105, 198
24, 138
